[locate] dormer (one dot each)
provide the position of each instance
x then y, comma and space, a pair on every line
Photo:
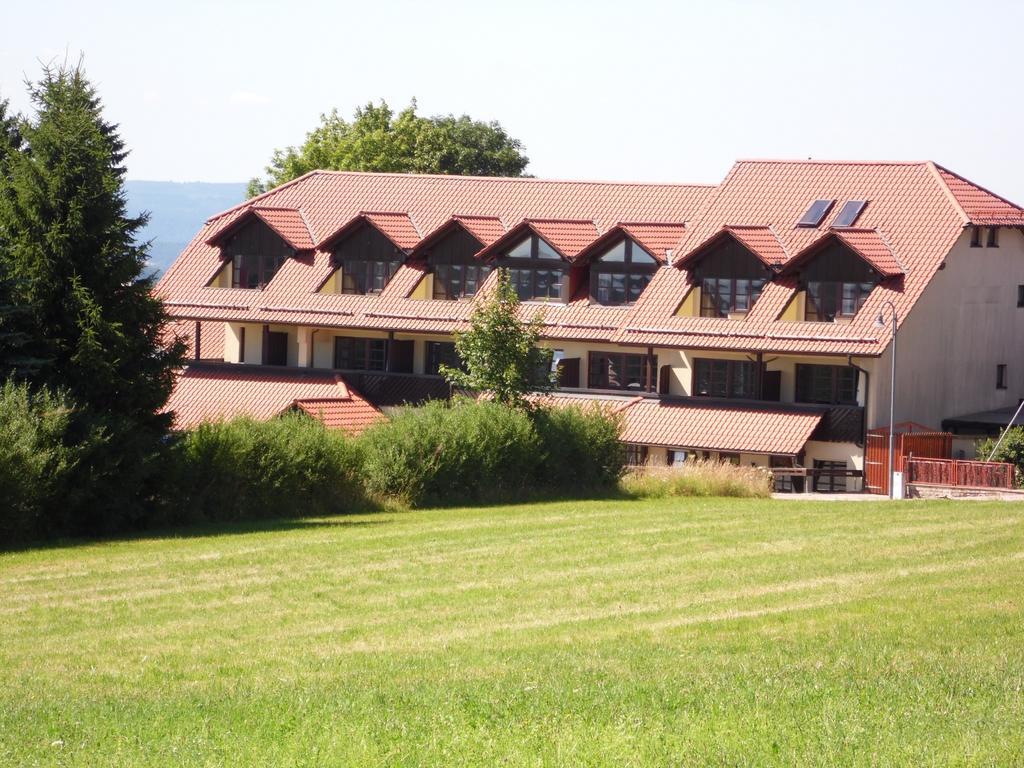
541, 257
367, 252
450, 252
256, 243
624, 259
837, 273
730, 269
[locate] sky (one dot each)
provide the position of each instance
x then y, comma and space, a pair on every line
627, 90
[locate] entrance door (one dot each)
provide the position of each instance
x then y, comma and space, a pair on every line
277, 348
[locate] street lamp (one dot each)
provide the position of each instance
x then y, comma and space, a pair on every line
880, 323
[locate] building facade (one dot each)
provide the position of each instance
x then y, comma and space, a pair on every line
748, 321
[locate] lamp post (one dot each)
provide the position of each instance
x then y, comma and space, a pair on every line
880, 323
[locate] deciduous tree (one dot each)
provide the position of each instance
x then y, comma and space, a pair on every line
377, 139
500, 351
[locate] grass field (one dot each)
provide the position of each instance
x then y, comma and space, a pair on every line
674, 632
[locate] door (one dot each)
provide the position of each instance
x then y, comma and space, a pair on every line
400, 355
569, 372
277, 348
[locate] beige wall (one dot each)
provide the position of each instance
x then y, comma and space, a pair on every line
965, 323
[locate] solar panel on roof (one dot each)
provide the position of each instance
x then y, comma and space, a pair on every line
849, 212
815, 213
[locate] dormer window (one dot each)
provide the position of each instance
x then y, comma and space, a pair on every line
456, 273
838, 282
828, 300
367, 260
621, 273
537, 271
723, 296
256, 253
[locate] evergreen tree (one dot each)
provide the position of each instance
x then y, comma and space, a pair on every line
74, 267
500, 351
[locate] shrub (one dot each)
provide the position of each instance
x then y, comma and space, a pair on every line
448, 452
698, 478
37, 459
244, 469
1011, 450
581, 448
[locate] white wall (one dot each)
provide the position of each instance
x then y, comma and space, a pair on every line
965, 323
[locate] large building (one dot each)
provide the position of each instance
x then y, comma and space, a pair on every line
748, 321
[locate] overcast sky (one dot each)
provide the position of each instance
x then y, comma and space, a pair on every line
598, 90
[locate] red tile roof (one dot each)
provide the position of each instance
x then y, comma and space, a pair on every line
215, 392
352, 415
715, 428
916, 212
289, 223
980, 206
657, 238
570, 237
762, 242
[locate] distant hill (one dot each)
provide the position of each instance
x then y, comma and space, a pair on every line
177, 211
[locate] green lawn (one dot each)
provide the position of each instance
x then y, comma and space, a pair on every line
617, 633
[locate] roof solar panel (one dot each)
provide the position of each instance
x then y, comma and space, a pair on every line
849, 212
815, 213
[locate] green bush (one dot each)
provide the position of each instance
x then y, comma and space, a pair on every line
447, 452
581, 446
245, 469
37, 461
1011, 450
698, 478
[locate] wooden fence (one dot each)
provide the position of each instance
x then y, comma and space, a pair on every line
919, 444
959, 474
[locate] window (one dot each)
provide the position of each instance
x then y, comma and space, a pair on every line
828, 300
783, 481
729, 458
1020, 295
620, 275
830, 476
817, 212
537, 284
241, 344
721, 296
975, 237
611, 370
536, 271
442, 353
675, 457
455, 281
826, 384
849, 212
1001, 376
354, 354
636, 455
254, 270
724, 378
368, 261
361, 277
993, 238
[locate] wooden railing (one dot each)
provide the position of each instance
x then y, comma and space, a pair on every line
959, 474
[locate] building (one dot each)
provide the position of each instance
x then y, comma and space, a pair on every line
748, 321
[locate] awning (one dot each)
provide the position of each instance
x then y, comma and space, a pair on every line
718, 428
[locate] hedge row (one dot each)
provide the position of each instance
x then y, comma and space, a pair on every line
53, 479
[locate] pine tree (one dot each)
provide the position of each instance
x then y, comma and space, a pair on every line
74, 266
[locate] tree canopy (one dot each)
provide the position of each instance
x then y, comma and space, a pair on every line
377, 139
69, 260
500, 351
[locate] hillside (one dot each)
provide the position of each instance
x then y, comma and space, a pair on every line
671, 632
177, 211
